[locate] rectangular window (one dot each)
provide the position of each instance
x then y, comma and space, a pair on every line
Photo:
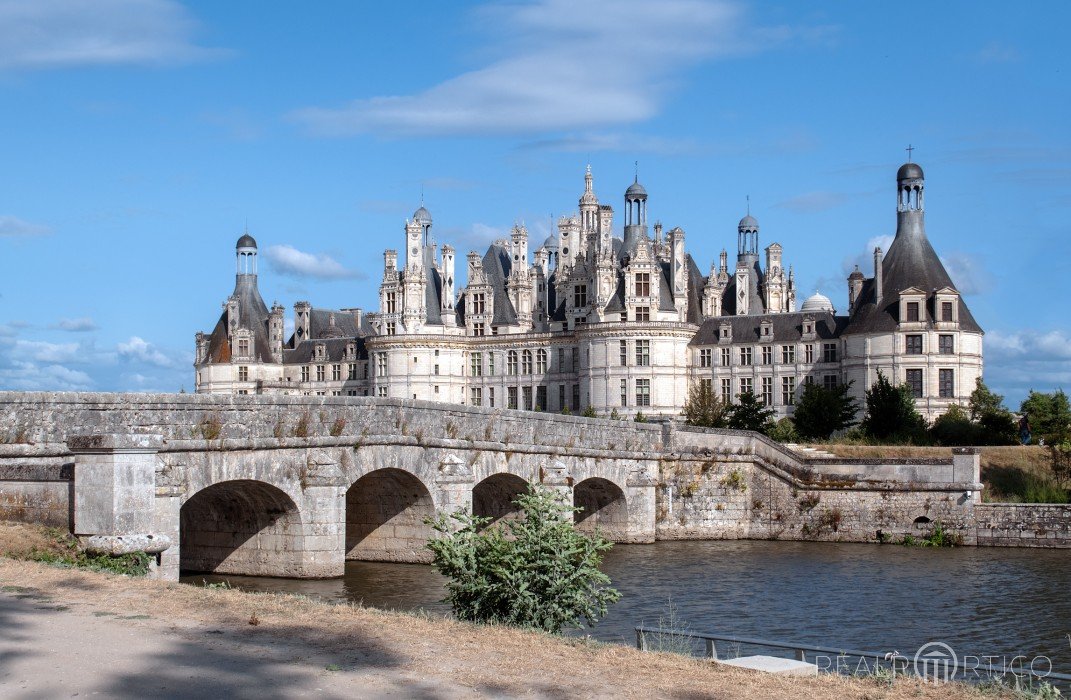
511, 363
947, 384
745, 356
726, 390
436, 370
381, 364
479, 303
476, 360
913, 344
479, 330
914, 381
788, 391
491, 397
624, 392
580, 296
946, 311
392, 328
829, 381
643, 353
305, 373
706, 357
351, 371
746, 385
526, 362
767, 391
622, 349
321, 373
491, 363
561, 397
243, 347
944, 345
336, 373
526, 393
726, 357
643, 392
511, 397
382, 391
643, 284
576, 360
561, 361
808, 353
788, 354
476, 394
767, 354
576, 397
643, 314
243, 373
829, 352
392, 303
541, 362
541, 398
912, 311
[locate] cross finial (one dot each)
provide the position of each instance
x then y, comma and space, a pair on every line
909, 149
636, 163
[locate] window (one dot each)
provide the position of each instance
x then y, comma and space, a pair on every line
745, 356
947, 384
321, 373
491, 397
243, 347
561, 397
476, 361
243, 374
622, 347
788, 391
580, 296
624, 316
726, 357
643, 285
914, 381
829, 381
511, 397
511, 363
392, 328
624, 392
944, 345
643, 392
479, 303
576, 359
527, 394
808, 353
706, 357
351, 372
336, 373
382, 392
767, 354
479, 330
381, 364
526, 362
643, 353
643, 314
541, 363
541, 398
946, 311
913, 344
726, 390
364, 369
305, 373
912, 311
392, 303
576, 397
561, 360
829, 352
708, 384
476, 395
767, 391
746, 385
491, 363
436, 370
788, 354
436, 388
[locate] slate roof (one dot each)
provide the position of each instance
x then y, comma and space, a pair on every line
252, 315
335, 350
497, 266
786, 327
755, 303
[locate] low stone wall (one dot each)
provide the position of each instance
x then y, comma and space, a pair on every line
1023, 525
35, 486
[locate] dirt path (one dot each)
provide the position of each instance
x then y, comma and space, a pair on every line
66, 633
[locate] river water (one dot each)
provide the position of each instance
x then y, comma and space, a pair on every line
979, 601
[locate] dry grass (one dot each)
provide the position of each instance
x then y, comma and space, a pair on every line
18, 541
489, 660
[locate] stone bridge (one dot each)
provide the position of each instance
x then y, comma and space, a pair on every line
295, 486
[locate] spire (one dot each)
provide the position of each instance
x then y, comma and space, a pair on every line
587, 179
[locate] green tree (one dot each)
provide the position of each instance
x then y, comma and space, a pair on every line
537, 571
891, 415
704, 408
954, 428
995, 425
820, 412
750, 414
783, 431
1049, 414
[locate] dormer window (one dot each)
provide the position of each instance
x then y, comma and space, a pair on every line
580, 296
243, 347
320, 352
643, 284
946, 311
912, 312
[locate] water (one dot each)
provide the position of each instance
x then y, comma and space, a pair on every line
979, 601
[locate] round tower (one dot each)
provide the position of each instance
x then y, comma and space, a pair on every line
245, 253
635, 214
747, 239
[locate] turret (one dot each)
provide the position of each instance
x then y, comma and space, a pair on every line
302, 314
448, 315
275, 332
635, 215
855, 287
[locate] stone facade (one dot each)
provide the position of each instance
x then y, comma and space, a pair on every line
590, 320
1023, 525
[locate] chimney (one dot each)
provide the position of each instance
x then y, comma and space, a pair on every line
877, 276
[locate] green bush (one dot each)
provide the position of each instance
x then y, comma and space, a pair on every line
784, 430
133, 564
820, 412
750, 414
891, 415
704, 409
537, 572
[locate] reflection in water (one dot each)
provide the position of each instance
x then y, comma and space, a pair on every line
980, 601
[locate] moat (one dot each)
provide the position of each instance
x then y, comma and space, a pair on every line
980, 601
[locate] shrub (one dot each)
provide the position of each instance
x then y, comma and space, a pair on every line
784, 430
339, 425
704, 409
750, 414
891, 415
640, 418
538, 572
589, 412
954, 428
820, 412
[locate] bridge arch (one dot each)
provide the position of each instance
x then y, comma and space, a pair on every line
493, 496
241, 526
385, 513
603, 506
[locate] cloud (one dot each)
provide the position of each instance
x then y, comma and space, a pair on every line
633, 143
75, 325
865, 258
14, 226
29, 376
43, 351
288, 260
476, 237
814, 201
138, 350
47, 34
996, 52
1019, 361
967, 273
562, 65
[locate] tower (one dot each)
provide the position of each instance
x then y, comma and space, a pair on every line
747, 263
635, 215
245, 253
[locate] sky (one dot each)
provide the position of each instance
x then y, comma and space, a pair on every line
139, 138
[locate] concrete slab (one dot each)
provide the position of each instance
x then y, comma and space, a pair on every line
773, 664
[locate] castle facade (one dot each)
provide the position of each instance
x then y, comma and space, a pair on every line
609, 319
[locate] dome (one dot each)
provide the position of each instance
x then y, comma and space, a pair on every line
856, 274
817, 302
748, 221
635, 191
246, 241
422, 215
551, 243
909, 171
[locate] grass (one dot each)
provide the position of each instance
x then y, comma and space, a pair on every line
59, 548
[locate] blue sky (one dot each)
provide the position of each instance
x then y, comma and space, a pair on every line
140, 137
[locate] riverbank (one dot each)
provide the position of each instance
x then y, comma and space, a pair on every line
72, 631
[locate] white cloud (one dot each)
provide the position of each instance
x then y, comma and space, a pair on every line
76, 325
617, 141
997, 52
14, 226
138, 350
865, 258
1019, 361
288, 260
43, 351
967, 273
47, 34
564, 65
29, 376
476, 237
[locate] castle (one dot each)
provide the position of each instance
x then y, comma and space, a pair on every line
593, 320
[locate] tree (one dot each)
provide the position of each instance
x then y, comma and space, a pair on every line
890, 413
820, 412
1049, 414
995, 424
749, 414
954, 428
537, 571
704, 408
784, 431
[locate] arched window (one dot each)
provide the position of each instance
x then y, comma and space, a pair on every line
541, 361
511, 362
526, 362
